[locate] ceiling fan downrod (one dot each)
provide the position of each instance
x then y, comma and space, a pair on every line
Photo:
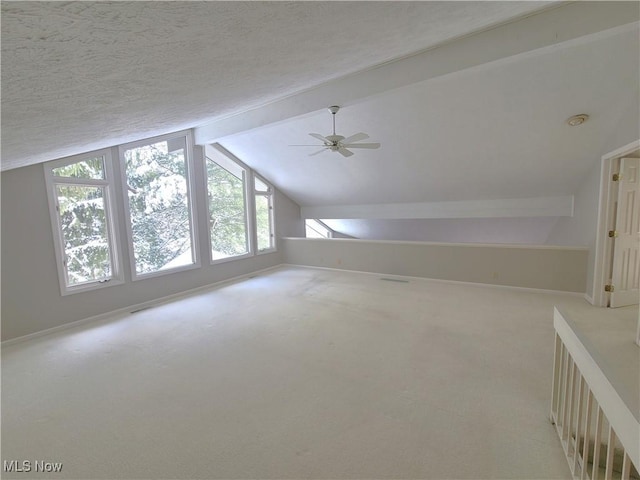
334, 109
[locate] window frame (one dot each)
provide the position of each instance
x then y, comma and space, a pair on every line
192, 203
251, 244
111, 219
270, 194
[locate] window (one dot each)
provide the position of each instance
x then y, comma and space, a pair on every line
227, 205
263, 194
82, 214
316, 229
158, 204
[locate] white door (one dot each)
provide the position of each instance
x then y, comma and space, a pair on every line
626, 255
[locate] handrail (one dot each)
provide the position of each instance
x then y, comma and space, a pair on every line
578, 382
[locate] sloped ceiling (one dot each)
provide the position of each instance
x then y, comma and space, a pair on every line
78, 76
496, 131
462, 116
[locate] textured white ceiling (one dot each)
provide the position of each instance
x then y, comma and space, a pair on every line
77, 76
490, 132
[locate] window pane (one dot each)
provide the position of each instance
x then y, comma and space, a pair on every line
260, 186
263, 222
84, 232
90, 168
227, 211
157, 186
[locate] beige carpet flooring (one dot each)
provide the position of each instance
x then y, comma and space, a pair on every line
296, 373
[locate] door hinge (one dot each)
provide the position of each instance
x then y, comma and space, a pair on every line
613, 233
616, 177
609, 288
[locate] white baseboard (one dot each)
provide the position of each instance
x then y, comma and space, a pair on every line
138, 306
439, 280
589, 299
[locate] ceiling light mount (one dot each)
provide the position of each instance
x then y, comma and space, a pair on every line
577, 119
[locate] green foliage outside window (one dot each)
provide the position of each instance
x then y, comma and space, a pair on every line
158, 207
263, 222
157, 189
84, 231
227, 212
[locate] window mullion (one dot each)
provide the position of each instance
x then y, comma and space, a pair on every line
91, 182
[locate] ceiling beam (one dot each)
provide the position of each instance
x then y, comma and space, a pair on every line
576, 21
499, 208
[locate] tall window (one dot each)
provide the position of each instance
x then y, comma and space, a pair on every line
80, 197
227, 204
263, 194
160, 226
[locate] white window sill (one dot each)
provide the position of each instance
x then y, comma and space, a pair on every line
230, 259
267, 250
87, 287
160, 273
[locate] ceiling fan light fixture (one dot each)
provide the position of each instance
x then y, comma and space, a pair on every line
576, 120
339, 143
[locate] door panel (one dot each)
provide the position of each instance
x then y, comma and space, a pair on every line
626, 256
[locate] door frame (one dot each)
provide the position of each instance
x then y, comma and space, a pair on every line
605, 217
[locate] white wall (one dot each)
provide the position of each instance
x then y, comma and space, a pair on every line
580, 229
543, 267
31, 299
530, 231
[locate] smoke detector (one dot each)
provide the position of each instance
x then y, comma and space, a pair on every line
577, 119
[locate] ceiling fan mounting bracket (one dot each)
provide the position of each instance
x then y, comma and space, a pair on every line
334, 109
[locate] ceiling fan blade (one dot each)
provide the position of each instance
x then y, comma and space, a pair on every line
316, 153
316, 145
319, 137
344, 152
355, 138
363, 145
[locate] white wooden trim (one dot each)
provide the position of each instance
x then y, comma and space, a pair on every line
638, 331
602, 240
82, 182
443, 244
496, 208
623, 421
623, 151
138, 306
228, 259
270, 195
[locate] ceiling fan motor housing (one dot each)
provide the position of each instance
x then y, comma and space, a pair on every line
334, 138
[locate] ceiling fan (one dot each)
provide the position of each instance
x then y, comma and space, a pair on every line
338, 143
